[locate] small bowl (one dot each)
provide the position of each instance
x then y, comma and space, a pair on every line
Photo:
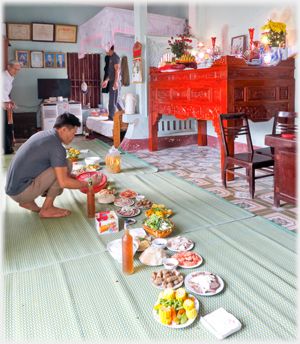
160, 243
93, 160
139, 197
170, 263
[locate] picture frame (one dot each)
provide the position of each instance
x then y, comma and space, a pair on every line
37, 59
60, 62
65, 33
42, 32
49, 60
23, 57
238, 44
18, 31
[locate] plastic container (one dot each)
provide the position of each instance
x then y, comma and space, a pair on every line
86, 176
130, 101
127, 252
113, 160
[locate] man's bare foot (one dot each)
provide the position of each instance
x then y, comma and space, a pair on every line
31, 206
54, 212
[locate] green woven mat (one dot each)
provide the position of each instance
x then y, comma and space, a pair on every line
32, 242
90, 298
129, 164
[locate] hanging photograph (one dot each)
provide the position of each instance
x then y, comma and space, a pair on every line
49, 59
23, 57
37, 59
60, 60
42, 32
18, 31
66, 33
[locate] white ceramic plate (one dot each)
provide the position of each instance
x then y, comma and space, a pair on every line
129, 197
191, 267
131, 203
174, 325
161, 287
136, 213
189, 276
171, 249
93, 169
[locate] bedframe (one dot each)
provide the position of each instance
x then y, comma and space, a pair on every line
112, 129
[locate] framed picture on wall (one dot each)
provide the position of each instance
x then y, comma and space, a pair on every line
23, 57
37, 59
66, 33
18, 31
60, 60
42, 32
238, 44
49, 60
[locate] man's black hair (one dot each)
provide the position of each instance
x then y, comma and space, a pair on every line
112, 47
67, 120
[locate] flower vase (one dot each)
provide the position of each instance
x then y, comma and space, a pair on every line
274, 56
283, 53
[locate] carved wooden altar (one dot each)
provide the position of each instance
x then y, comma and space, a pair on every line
228, 86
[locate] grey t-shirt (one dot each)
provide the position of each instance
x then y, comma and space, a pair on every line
114, 59
41, 151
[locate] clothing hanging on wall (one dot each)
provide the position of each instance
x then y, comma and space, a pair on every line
105, 90
125, 72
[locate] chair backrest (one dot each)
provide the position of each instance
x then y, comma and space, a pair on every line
233, 125
284, 123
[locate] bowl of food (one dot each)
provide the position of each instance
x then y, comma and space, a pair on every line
72, 154
158, 226
115, 249
139, 197
161, 243
88, 175
92, 167
92, 160
170, 263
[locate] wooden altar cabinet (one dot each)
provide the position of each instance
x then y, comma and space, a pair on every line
228, 86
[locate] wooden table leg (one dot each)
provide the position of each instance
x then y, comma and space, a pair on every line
202, 132
153, 129
230, 144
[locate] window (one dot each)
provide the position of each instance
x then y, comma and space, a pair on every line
88, 70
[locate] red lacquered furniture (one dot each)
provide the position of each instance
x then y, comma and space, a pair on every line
228, 86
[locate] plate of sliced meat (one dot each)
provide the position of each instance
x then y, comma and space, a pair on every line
188, 259
128, 194
123, 202
128, 211
179, 244
204, 283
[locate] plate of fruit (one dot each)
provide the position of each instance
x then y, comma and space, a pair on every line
175, 309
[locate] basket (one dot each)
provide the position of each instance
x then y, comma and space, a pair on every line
159, 234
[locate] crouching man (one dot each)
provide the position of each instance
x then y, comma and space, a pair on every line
40, 168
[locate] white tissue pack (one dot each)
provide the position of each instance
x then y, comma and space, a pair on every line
221, 323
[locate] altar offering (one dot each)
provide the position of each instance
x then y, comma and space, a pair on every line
106, 222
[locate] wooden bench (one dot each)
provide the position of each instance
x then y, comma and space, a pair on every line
118, 127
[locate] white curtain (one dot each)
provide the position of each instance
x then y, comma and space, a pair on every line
115, 26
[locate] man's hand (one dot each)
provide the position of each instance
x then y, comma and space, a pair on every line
13, 105
97, 179
104, 84
5, 105
115, 85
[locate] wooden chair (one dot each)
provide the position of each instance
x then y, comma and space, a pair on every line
248, 160
284, 123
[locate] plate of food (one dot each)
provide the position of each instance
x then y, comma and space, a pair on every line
153, 256
141, 237
166, 279
179, 244
93, 167
144, 204
175, 309
188, 259
78, 168
127, 211
128, 194
204, 283
123, 202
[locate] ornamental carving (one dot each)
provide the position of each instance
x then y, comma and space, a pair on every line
262, 93
217, 95
238, 94
283, 93
181, 94
261, 113
201, 94
163, 94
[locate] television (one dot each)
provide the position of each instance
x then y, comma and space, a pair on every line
54, 88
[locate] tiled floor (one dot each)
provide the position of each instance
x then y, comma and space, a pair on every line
201, 166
